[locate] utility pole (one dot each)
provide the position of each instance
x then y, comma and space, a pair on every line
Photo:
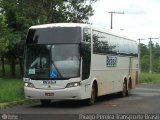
150, 44
112, 16
139, 54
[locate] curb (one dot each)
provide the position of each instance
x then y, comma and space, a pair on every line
15, 103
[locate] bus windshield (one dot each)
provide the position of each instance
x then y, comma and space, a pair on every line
57, 61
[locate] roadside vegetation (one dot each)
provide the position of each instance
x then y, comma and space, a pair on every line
11, 90
149, 78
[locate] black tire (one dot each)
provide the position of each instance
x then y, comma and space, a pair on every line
123, 93
45, 102
92, 99
129, 88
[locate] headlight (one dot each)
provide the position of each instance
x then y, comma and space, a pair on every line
73, 84
27, 84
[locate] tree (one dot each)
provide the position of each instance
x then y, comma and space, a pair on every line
14, 28
144, 49
145, 63
156, 58
3, 42
145, 57
78, 11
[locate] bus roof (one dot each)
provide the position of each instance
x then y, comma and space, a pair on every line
59, 25
95, 27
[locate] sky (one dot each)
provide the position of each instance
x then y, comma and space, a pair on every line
141, 18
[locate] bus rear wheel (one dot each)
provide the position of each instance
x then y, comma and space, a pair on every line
129, 88
45, 102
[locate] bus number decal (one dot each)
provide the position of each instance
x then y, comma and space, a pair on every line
111, 61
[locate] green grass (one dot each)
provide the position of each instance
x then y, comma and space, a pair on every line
11, 90
149, 78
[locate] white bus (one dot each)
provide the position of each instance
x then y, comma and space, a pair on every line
72, 61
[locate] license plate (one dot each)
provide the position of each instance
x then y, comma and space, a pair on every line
49, 94
49, 82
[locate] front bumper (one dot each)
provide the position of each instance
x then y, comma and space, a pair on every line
73, 93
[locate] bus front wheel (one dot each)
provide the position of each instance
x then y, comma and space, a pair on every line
92, 99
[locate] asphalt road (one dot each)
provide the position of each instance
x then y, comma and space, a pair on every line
145, 99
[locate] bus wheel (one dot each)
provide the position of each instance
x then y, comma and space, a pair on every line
92, 99
123, 93
45, 102
129, 88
